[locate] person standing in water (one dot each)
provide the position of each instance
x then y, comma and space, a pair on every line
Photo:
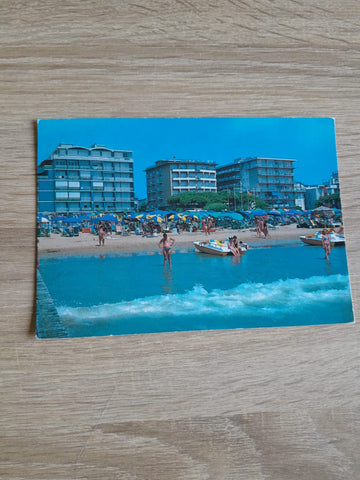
325, 240
166, 243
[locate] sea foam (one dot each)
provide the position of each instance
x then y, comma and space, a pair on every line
282, 297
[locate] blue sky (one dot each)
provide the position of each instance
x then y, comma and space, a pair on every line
310, 141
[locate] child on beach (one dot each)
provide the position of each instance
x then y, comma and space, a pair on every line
167, 243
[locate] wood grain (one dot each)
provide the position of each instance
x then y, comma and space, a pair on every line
277, 403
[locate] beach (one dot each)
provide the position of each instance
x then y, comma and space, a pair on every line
87, 243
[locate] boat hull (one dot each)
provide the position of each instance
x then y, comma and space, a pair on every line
211, 251
318, 243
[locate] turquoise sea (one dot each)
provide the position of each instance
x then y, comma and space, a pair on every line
279, 284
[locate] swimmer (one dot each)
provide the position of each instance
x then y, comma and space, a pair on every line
166, 243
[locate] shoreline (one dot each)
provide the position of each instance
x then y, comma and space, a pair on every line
87, 243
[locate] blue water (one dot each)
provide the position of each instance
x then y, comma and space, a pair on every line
275, 286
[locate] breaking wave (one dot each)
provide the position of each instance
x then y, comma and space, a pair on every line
282, 298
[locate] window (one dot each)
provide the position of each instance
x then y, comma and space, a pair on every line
74, 207
74, 185
98, 185
61, 185
60, 174
61, 195
74, 195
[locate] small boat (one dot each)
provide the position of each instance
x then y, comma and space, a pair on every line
214, 247
336, 240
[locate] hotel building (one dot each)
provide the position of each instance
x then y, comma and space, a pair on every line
78, 179
270, 179
171, 177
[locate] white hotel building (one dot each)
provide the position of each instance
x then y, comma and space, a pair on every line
171, 177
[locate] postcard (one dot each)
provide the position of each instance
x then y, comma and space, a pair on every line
149, 225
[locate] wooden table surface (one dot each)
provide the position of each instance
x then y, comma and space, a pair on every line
278, 403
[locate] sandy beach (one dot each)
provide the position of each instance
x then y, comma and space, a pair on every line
88, 243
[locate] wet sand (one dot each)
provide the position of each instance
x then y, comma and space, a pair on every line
88, 243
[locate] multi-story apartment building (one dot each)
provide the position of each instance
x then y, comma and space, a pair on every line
78, 179
300, 190
313, 193
271, 179
171, 177
333, 185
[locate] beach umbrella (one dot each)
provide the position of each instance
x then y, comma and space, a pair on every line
258, 212
274, 212
236, 216
41, 219
71, 220
192, 215
202, 214
156, 218
214, 214
60, 218
177, 216
322, 209
293, 211
109, 218
131, 216
83, 217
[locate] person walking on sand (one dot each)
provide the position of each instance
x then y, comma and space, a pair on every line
266, 229
166, 243
325, 240
101, 234
258, 226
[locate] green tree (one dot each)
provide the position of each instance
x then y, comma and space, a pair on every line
226, 199
247, 202
216, 206
332, 200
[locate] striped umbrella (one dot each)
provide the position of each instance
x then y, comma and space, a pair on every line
176, 216
156, 218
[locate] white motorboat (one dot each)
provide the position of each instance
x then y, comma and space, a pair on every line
215, 247
336, 239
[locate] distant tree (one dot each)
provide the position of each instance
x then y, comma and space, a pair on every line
250, 202
216, 206
143, 207
332, 201
193, 200
225, 198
